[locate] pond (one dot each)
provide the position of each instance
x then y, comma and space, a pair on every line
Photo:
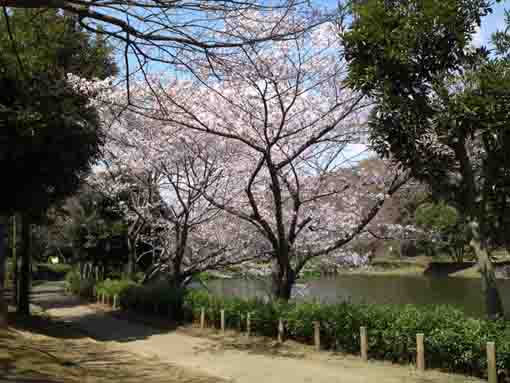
463, 293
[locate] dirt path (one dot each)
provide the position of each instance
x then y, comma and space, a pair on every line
234, 357
42, 350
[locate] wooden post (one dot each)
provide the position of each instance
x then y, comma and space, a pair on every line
222, 319
202, 318
248, 324
103, 298
280, 331
317, 334
4, 311
115, 301
363, 343
491, 362
420, 352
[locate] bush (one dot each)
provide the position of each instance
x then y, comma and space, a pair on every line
114, 287
81, 287
453, 341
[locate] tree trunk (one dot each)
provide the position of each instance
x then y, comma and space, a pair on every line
131, 263
14, 260
494, 307
177, 305
283, 279
3, 256
24, 275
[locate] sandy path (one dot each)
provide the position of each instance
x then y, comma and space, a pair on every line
233, 357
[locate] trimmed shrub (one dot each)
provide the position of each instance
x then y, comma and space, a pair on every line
81, 287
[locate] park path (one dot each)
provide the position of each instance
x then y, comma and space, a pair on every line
231, 357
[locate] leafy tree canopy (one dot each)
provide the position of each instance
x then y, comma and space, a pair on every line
49, 133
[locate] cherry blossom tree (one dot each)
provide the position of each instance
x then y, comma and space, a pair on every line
287, 116
164, 174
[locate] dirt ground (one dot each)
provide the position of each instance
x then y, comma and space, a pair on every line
39, 350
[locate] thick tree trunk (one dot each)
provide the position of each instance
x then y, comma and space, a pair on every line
24, 275
283, 279
3, 256
494, 307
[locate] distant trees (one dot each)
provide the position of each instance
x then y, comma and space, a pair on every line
445, 232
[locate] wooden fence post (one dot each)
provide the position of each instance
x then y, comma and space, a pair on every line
202, 318
420, 352
317, 334
222, 319
248, 324
280, 331
363, 343
491, 362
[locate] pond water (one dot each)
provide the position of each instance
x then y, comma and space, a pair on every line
463, 293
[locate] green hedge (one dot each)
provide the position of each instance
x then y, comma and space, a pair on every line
453, 341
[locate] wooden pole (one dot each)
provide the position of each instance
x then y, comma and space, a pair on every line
222, 324
202, 318
280, 331
248, 324
491, 362
363, 343
14, 260
3, 262
317, 335
420, 352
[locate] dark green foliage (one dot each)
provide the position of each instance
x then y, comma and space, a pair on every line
441, 110
49, 135
81, 287
111, 287
94, 224
46, 41
398, 47
450, 233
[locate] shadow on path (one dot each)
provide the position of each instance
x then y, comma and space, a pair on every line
98, 322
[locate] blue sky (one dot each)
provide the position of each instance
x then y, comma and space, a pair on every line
492, 23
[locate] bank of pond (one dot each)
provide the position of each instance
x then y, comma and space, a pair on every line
453, 340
